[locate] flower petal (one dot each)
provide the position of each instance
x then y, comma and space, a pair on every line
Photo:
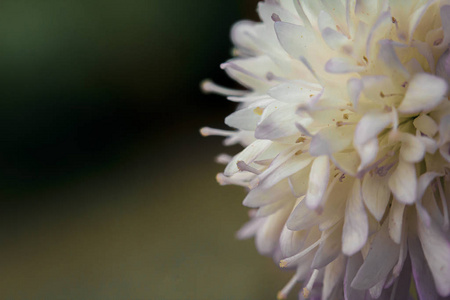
331, 140
436, 248
329, 249
353, 264
338, 65
376, 194
412, 150
356, 226
318, 181
403, 182
244, 119
248, 155
425, 91
370, 126
396, 221
377, 264
421, 272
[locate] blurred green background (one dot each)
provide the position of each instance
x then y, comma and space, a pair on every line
107, 191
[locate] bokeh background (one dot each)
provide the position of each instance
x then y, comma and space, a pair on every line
107, 190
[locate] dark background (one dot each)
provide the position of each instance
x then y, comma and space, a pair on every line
107, 190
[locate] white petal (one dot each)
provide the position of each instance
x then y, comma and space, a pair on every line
250, 228
423, 183
422, 275
382, 256
329, 249
318, 181
445, 18
280, 123
356, 225
291, 242
294, 39
436, 248
367, 153
333, 276
330, 140
334, 39
424, 92
302, 217
354, 88
296, 91
403, 182
376, 194
370, 126
353, 264
291, 166
388, 55
339, 65
412, 149
248, 155
259, 197
444, 140
396, 221
268, 235
244, 119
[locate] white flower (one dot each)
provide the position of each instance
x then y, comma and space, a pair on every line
346, 129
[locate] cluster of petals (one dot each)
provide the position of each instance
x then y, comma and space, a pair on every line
345, 123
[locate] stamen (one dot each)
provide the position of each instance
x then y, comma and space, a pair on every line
290, 261
272, 77
307, 290
287, 288
438, 42
208, 86
208, 131
341, 123
223, 159
275, 18
444, 204
224, 180
240, 69
242, 166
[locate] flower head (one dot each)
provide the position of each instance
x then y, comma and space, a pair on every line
345, 122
